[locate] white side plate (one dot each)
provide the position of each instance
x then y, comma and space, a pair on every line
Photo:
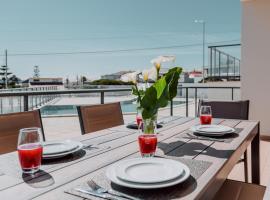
56, 147
212, 130
59, 155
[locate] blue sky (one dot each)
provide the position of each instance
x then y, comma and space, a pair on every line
48, 26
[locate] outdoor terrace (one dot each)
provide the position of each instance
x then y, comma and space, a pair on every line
68, 127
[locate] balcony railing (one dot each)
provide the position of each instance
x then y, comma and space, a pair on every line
223, 65
185, 93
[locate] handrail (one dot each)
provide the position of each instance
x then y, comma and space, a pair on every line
26, 94
53, 92
77, 91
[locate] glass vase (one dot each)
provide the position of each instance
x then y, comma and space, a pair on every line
148, 137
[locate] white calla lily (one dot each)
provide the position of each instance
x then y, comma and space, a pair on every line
130, 77
152, 74
145, 74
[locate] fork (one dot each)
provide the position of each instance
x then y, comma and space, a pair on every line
97, 188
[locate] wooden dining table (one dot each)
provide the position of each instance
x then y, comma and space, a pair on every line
106, 147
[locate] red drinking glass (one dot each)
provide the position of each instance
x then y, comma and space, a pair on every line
148, 139
148, 144
139, 120
30, 149
205, 115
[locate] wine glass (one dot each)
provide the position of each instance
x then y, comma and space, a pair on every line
30, 149
205, 115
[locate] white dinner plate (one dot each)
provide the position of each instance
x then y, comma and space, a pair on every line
56, 147
212, 130
111, 175
150, 170
73, 147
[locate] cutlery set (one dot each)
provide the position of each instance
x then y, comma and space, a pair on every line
98, 191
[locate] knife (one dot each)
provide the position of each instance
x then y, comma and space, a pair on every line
104, 195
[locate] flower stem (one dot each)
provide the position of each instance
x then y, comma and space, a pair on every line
139, 96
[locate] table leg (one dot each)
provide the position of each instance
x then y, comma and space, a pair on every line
255, 158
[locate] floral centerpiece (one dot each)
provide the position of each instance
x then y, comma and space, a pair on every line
151, 97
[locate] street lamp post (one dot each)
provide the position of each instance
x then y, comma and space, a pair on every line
203, 23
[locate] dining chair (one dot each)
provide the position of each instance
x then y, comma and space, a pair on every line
230, 110
97, 117
237, 190
227, 109
10, 125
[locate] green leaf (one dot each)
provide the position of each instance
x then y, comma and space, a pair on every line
149, 103
172, 78
163, 101
159, 94
160, 86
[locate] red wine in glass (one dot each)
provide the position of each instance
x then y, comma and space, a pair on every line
30, 149
205, 115
148, 144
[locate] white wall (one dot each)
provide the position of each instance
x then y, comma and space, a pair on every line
255, 65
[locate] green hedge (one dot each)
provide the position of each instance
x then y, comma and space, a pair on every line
109, 82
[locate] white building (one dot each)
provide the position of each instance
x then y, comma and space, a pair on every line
53, 83
197, 76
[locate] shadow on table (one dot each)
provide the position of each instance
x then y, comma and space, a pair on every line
192, 149
174, 192
69, 158
39, 179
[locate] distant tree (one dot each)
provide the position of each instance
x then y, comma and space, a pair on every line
83, 79
13, 80
4, 72
109, 82
211, 79
67, 82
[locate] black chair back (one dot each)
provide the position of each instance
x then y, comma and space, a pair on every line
227, 109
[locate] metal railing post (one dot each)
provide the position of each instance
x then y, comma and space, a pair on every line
20, 103
1, 104
25, 103
186, 102
36, 102
102, 97
232, 95
171, 107
11, 104
196, 98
